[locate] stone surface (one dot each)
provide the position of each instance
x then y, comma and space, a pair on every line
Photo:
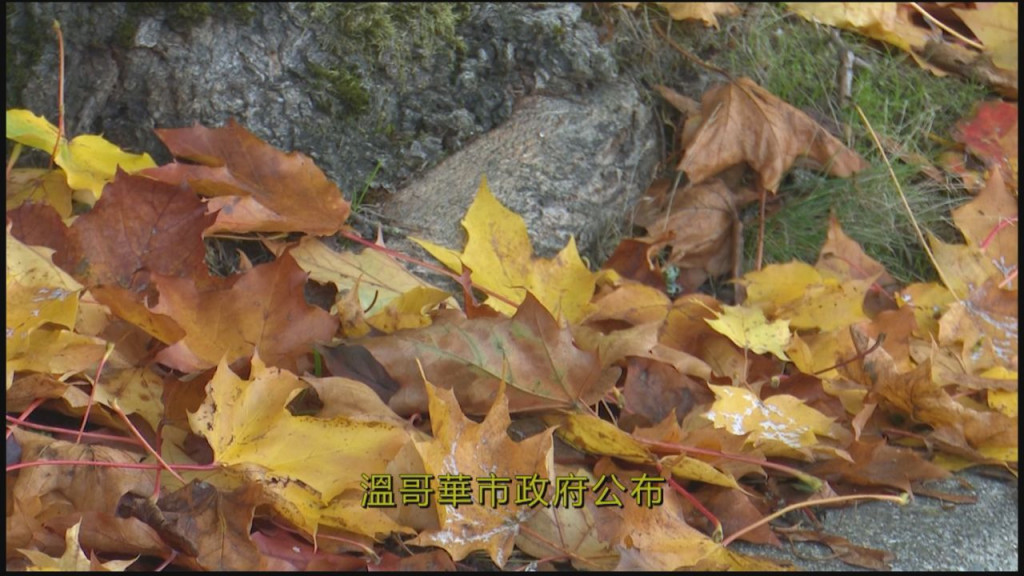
134, 67
568, 166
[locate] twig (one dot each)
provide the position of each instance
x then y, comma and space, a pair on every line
60, 91
686, 53
759, 259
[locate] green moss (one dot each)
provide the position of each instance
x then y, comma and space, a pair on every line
338, 92
404, 30
400, 34
180, 15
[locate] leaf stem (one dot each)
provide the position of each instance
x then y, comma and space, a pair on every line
902, 499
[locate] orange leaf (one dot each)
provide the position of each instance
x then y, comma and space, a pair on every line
258, 187
463, 447
263, 309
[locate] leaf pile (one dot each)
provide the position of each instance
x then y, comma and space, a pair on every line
214, 440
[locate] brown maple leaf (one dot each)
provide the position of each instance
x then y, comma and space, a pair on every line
262, 309
255, 186
538, 359
743, 122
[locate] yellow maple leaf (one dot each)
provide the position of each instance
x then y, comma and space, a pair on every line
89, 161
42, 298
995, 25
749, 329
885, 21
500, 255
807, 297
309, 468
462, 448
589, 433
781, 425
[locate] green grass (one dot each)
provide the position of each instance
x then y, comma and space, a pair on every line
797, 61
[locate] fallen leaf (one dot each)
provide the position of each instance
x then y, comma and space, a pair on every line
89, 161
780, 425
310, 469
500, 255
706, 12
536, 357
745, 123
750, 330
74, 559
461, 447
591, 434
991, 135
987, 222
380, 278
256, 187
557, 531
886, 21
659, 538
263, 309
995, 25
39, 186
806, 296
876, 464
140, 225
698, 226
42, 304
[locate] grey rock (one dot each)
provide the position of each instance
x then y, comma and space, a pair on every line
133, 67
568, 166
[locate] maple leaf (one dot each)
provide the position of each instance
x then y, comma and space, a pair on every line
537, 358
885, 21
875, 463
743, 122
499, 253
74, 559
384, 293
62, 494
39, 186
567, 531
706, 12
139, 225
42, 304
978, 434
263, 309
749, 329
309, 468
89, 161
463, 447
214, 523
996, 26
806, 296
659, 538
985, 223
781, 425
928, 301
589, 433
991, 135
986, 324
256, 187
698, 228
